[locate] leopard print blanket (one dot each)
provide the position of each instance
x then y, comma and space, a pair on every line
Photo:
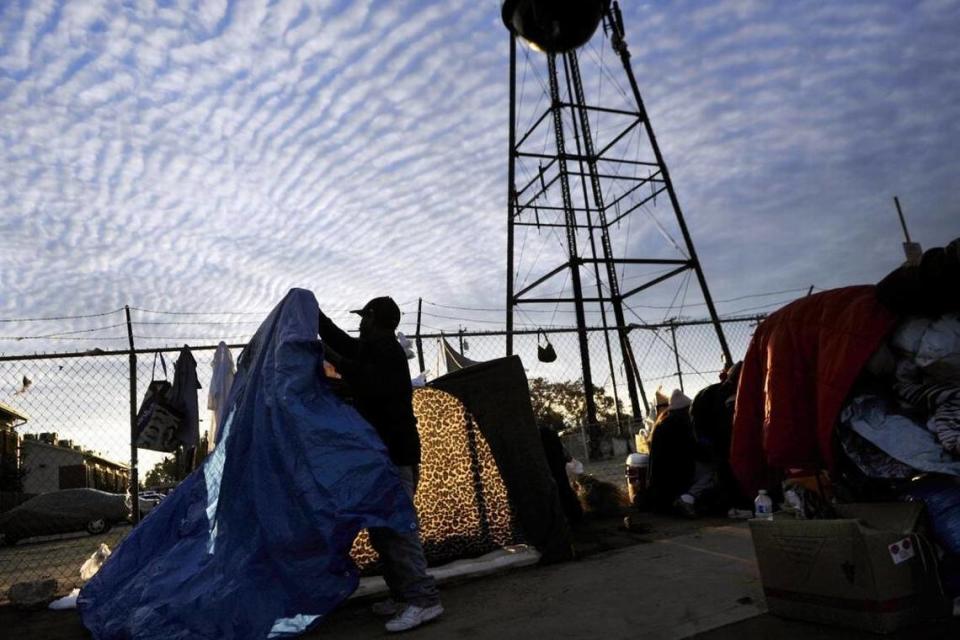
461, 500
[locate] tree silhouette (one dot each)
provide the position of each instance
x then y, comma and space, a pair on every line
163, 473
561, 405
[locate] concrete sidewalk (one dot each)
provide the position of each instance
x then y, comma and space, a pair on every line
682, 579
664, 588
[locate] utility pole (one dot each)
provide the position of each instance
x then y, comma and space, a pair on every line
676, 352
134, 474
912, 250
419, 341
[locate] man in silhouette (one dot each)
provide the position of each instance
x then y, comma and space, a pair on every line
374, 368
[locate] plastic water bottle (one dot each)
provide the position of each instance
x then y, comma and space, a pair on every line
763, 506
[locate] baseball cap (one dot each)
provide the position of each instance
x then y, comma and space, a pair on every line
384, 309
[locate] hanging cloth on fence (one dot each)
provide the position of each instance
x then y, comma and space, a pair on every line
184, 395
220, 383
255, 542
453, 359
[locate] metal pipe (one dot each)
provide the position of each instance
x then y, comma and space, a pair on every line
511, 193
605, 242
593, 249
574, 256
570, 156
903, 222
676, 355
427, 336
541, 280
620, 47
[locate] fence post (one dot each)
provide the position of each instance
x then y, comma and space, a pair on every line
676, 353
584, 439
418, 340
632, 363
134, 475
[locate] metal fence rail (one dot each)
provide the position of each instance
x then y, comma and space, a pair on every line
682, 354
74, 429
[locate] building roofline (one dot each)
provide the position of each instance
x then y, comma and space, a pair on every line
7, 409
86, 456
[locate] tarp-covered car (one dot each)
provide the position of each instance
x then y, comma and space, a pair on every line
65, 511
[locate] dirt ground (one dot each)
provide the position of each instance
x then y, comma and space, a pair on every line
57, 557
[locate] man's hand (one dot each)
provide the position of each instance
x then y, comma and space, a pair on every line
332, 357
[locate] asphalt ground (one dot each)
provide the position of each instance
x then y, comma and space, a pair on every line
661, 578
57, 557
665, 578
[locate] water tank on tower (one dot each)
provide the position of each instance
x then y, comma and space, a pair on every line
554, 26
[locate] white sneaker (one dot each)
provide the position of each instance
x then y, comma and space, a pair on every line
412, 617
386, 608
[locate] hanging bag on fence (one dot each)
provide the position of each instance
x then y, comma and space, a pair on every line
545, 352
158, 420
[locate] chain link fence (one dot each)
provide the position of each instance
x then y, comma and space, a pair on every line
680, 354
66, 463
66, 459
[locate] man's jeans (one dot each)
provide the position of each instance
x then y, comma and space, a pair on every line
704, 479
404, 565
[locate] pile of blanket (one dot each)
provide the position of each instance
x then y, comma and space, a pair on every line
864, 380
907, 420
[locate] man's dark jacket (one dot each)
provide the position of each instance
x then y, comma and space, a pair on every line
377, 374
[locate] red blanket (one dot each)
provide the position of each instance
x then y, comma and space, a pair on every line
799, 368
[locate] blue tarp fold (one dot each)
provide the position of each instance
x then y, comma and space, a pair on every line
256, 541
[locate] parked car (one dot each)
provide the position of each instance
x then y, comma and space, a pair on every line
154, 497
66, 511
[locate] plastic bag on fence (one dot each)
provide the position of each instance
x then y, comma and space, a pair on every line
406, 345
94, 562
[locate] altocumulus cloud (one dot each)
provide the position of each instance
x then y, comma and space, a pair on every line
209, 155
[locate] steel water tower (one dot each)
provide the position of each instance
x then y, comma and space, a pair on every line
585, 171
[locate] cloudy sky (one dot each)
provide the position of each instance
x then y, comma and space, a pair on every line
207, 155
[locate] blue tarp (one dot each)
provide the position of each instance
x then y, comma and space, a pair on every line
256, 541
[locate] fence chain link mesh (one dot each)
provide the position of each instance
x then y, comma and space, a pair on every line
66, 443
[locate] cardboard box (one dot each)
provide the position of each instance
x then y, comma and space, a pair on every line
863, 571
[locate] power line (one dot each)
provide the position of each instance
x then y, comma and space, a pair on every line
200, 313
18, 338
639, 306
60, 334
195, 322
90, 315
764, 306
189, 338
